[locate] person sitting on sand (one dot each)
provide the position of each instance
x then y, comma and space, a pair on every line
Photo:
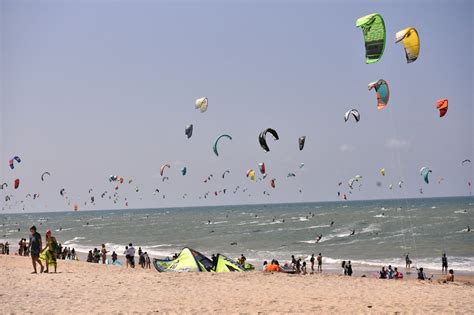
90, 257
273, 267
34, 246
114, 257
383, 273
265, 265
422, 275
390, 272
450, 276
398, 275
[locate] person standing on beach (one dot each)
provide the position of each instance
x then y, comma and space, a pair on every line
147, 261
320, 262
103, 252
312, 263
127, 257
444, 264
34, 247
349, 268
131, 254
407, 262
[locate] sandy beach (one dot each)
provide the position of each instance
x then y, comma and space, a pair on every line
81, 287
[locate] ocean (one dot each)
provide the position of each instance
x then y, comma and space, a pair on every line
385, 230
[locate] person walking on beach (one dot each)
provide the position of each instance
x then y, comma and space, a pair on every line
320, 263
131, 254
444, 264
50, 251
103, 252
34, 247
312, 263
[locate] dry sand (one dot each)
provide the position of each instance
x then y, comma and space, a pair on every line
90, 288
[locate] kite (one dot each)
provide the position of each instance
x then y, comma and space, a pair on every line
442, 105
383, 92
354, 113
15, 158
201, 104
373, 28
301, 142
216, 142
162, 168
42, 175
188, 131
411, 41
262, 138
424, 172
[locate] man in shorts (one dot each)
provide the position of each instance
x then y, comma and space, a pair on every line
35, 247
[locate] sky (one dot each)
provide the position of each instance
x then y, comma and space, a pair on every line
90, 89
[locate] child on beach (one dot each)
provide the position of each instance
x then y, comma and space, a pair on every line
398, 275
450, 276
303, 268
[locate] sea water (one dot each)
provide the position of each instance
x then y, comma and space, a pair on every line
385, 230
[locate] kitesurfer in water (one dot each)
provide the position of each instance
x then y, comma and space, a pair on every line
353, 232
468, 228
320, 236
332, 223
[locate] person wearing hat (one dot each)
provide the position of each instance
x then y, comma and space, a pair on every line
49, 252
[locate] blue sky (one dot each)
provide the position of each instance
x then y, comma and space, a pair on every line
94, 88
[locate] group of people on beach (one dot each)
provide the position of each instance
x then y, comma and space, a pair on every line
297, 265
